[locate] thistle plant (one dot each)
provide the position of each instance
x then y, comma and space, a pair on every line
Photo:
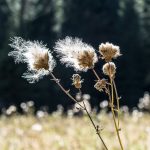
81, 57
109, 52
39, 59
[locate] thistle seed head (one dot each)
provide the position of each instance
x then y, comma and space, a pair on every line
109, 69
74, 53
37, 56
109, 51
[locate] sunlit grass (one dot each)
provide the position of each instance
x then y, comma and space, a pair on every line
56, 132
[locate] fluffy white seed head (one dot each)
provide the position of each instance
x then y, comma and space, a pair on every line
37, 56
74, 53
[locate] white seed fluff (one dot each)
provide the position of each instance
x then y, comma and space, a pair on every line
31, 53
71, 49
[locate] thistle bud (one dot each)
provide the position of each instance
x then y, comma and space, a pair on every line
109, 69
76, 81
100, 85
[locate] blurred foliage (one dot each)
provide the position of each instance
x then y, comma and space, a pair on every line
125, 23
59, 131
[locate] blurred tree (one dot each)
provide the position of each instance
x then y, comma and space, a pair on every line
143, 9
125, 23
131, 75
94, 21
30, 19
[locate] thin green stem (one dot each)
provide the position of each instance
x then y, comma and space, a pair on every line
65, 91
96, 129
71, 97
118, 105
114, 118
97, 76
111, 97
95, 73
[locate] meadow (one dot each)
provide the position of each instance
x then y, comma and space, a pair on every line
67, 132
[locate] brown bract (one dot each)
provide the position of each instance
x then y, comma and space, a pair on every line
41, 61
86, 59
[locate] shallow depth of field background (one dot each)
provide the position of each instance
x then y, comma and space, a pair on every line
123, 22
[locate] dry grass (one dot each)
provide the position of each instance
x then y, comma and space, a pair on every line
55, 132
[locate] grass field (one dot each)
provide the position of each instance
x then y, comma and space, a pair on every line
56, 132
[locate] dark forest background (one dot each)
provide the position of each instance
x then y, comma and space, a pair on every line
123, 22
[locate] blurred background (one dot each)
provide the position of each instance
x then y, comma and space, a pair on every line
123, 22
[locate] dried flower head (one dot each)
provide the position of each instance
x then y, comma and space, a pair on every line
38, 58
74, 53
100, 85
109, 51
76, 79
109, 69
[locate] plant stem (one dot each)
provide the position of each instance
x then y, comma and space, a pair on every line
112, 106
84, 108
117, 97
65, 91
97, 76
95, 73
114, 118
96, 129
